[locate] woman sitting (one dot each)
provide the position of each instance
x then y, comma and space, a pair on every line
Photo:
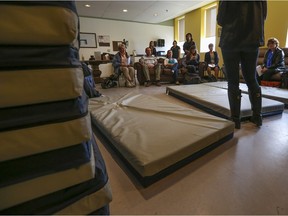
273, 60
122, 63
192, 60
211, 60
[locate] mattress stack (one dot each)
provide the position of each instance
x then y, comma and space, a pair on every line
49, 160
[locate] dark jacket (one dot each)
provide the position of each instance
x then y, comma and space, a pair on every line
278, 62
208, 58
242, 23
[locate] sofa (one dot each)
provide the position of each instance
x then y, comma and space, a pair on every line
166, 75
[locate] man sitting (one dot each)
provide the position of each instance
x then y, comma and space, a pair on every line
149, 61
172, 63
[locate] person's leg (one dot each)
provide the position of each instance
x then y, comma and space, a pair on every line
231, 62
157, 69
175, 74
209, 71
132, 75
216, 71
268, 74
147, 75
248, 63
125, 71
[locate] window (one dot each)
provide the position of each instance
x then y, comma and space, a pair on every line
181, 29
209, 28
181, 32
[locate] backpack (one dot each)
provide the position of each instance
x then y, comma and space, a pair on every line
89, 84
110, 82
191, 78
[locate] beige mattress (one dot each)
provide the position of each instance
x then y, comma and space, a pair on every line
89, 203
37, 25
28, 190
152, 134
38, 139
31, 86
214, 100
267, 92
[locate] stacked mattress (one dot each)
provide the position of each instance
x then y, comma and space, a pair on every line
49, 160
154, 137
214, 100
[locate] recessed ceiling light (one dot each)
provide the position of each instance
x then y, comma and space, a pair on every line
87, 5
125, 10
155, 14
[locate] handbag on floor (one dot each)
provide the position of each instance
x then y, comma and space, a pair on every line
191, 78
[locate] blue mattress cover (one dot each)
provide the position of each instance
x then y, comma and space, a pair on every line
25, 168
56, 201
26, 57
12, 118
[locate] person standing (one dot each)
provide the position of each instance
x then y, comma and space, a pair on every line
242, 34
176, 50
153, 49
188, 43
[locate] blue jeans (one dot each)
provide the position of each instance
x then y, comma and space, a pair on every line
176, 71
248, 60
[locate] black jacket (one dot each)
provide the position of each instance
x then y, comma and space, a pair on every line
208, 58
277, 60
242, 23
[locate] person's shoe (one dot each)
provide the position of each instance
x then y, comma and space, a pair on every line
129, 84
148, 83
177, 83
158, 83
257, 120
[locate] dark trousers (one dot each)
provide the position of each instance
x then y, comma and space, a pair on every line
247, 59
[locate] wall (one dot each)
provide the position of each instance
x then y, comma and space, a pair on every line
138, 34
276, 25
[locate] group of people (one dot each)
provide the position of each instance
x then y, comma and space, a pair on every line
239, 45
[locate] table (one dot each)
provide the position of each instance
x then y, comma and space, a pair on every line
95, 68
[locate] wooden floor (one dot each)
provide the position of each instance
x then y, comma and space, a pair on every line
247, 175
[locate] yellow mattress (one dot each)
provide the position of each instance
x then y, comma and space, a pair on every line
38, 139
31, 86
37, 25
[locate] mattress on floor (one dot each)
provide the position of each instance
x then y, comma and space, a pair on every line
48, 25
273, 93
19, 87
154, 136
215, 100
47, 137
95, 190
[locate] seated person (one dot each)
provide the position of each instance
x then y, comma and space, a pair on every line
149, 61
122, 63
273, 60
192, 60
211, 60
172, 64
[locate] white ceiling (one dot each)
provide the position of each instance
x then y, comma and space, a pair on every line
138, 11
